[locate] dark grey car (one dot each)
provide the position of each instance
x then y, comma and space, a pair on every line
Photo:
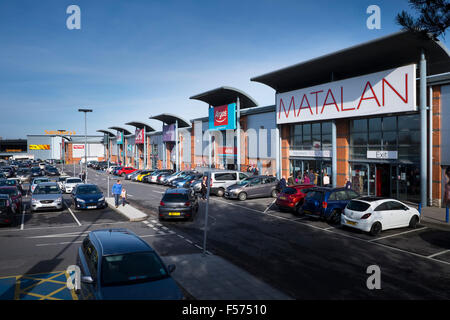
178, 204
253, 187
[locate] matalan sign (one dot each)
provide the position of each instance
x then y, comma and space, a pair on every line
387, 91
78, 146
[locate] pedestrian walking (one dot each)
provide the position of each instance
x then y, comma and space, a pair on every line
281, 184
290, 180
306, 179
204, 189
123, 196
117, 191
311, 176
348, 183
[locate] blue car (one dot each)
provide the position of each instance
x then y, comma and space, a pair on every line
116, 264
327, 203
88, 196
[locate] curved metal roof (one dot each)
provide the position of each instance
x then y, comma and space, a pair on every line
107, 132
168, 118
384, 53
125, 131
226, 95
141, 125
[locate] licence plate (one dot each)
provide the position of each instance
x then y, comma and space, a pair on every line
282, 198
174, 213
92, 207
352, 223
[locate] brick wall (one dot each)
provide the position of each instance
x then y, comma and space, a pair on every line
436, 158
342, 146
285, 145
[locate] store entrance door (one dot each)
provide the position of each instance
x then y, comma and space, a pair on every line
383, 182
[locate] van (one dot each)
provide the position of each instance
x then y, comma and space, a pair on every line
221, 180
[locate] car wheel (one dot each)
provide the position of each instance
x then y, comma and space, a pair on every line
299, 210
242, 196
413, 222
376, 229
274, 193
335, 217
220, 192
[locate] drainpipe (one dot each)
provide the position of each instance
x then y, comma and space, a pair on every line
238, 134
423, 129
334, 153
430, 134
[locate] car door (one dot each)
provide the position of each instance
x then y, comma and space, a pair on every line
255, 188
88, 266
384, 213
400, 214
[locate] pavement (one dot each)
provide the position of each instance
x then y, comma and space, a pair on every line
434, 216
128, 211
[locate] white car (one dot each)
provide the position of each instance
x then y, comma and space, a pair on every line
111, 168
61, 181
373, 215
71, 183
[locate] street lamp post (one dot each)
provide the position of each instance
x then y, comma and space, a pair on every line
85, 139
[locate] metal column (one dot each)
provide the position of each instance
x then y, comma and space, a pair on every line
177, 155
238, 134
334, 153
278, 151
423, 129
145, 149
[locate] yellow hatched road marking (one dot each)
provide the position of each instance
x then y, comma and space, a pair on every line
49, 296
42, 281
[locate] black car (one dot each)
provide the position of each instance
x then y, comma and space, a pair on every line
51, 171
178, 204
36, 172
7, 210
8, 171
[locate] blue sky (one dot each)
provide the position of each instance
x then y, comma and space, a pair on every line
137, 58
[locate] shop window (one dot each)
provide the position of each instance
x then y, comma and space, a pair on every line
359, 126
326, 128
374, 138
409, 122
390, 124
374, 124
389, 138
359, 139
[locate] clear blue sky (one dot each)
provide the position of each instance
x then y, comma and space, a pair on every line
137, 58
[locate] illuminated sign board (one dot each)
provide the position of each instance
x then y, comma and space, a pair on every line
222, 117
60, 133
39, 147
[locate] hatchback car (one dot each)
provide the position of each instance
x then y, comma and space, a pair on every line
7, 210
143, 174
36, 181
185, 181
116, 264
178, 204
373, 215
88, 196
132, 175
15, 194
327, 203
71, 183
24, 175
291, 198
51, 171
125, 170
47, 195
36, 172
253, 187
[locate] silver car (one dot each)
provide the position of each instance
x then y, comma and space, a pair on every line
253, 187
47, 195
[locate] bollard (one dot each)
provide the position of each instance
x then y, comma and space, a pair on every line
420, 208
446, 214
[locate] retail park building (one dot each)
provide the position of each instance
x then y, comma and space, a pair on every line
376, 113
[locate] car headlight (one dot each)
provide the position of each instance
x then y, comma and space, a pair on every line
80, 200
34, 201
101, 199
59, 200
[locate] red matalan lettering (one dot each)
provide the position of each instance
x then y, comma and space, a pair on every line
329, 104
306, 107
369, 98
405, 100
317, 102
292, 103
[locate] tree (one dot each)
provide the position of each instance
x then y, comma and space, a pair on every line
434, 17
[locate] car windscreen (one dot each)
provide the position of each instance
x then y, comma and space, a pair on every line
125, 269
243, 182
10, 191
47, 190
175, 197
88, 190
288, 190
40, 181
23, 171
73, 181
3, 203
35, 169
358, 205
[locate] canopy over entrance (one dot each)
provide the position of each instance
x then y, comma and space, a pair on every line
226, 95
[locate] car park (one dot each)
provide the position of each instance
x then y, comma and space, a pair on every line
221, 180
47, 195
291, 198
185, 181
125, 170
118, 264
179, 174
88, 196
24, 174
111, 168
42, 166
178, 204
327, 203
36, 181
142, 174
152, 176
115, 172
374, 214
7, 210
8, 171
15, 195
253, 187
71, 183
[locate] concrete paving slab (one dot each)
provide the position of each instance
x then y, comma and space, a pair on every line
198, 275
128, 211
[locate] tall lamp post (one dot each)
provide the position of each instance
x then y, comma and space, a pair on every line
85, 139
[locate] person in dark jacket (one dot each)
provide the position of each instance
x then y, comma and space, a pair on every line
348, 184
281, 184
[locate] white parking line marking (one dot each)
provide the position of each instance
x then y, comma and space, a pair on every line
154, 221
438, 254
146, 222
341, 234
165, 228
189, 241
78, 222
180, 236
270, 205
197, 246
397, 234
156, 229
23, 216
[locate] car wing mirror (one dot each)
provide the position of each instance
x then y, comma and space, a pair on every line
87, 279
171, 268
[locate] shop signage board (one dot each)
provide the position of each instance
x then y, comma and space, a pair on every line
222, 117
169, 133
39, 147
382, 92
227, 151
119, 138
382, 154
310, 153
139, 137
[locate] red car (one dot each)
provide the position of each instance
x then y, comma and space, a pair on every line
291, 198
15, 195
125, 170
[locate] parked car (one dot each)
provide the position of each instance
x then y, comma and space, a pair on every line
118, 264
185, 181
132, 175
7, 210
42, 166
8, 171
71, 183
327, 203
24, 175
36, 172
115, 172
15, 195
154, 175
88, 196
179, 174
111, 168
374, 214
143, 174
51, 171
221, 180
253, 187
291, 198
178, 204
47, 195
125, 170
36, 181
162, 175
62, 180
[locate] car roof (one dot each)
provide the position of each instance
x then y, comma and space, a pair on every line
4, 196
301, 186
177, 190
371, 198
118, 241
49, 183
